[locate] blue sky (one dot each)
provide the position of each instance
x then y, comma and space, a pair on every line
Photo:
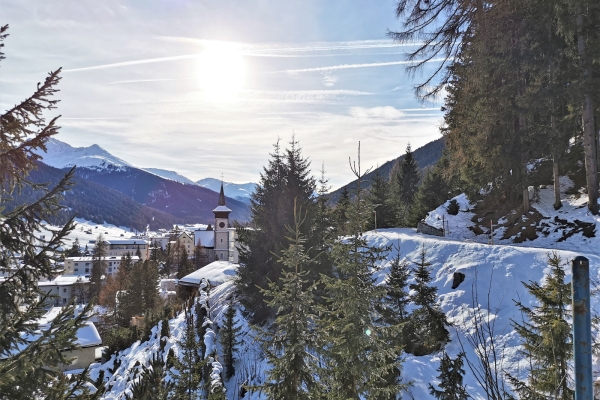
135, 82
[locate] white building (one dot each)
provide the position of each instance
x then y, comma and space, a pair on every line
83, 265
64, 287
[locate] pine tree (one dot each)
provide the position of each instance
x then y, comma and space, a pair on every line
188, 364
425, 331
341, 212
148, 280
380, 200
406, 177
546, 336
98, 268
397, 297
152, 383
287, 177
30, 359
229, 340
289, 347
433, 191
451, 379
356, 345
75, 250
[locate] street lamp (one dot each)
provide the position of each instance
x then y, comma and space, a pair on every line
375, 212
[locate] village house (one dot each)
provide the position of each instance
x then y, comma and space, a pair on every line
83, 265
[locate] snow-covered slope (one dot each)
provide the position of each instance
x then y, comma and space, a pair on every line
62, 155
494, 276
172, 175
239, 191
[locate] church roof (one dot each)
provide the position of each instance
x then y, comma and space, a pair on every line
222, 209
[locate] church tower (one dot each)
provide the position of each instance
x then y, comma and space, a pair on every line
221, 228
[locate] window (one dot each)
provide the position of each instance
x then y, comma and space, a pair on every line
64, 301
76, 269
76, 264
87, 270
65, 290
221, 256
109, 269
87, 264
221, 240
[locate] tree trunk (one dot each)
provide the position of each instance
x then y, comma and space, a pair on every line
589, 135
557, 202
525, 200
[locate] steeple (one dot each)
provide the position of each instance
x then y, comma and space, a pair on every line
222, 196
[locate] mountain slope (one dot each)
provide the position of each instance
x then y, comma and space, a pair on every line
192, 203
94, 202
172, 175
62, 155
425, 157
238, 191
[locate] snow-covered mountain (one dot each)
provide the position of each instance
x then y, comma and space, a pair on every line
62, 155
172, 175
239, 191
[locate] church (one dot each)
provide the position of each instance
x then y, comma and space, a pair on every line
219, 242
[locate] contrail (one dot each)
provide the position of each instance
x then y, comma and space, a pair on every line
351, 66
127, 63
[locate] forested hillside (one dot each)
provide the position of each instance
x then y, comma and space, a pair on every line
425, 157
94, 202
191, 203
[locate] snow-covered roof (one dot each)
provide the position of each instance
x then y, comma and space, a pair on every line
222, 209
204, 238
84, 259
126, 241
216, 272
65, 280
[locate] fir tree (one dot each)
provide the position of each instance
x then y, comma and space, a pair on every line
425, 331
451, 379
229, 340
30, 359
152, 383
397, 296
287, 177
546, 336
406, 178
289, 347
188, 364
148, 280
381, 201
341, 212
98, 268
356, 344
75, 250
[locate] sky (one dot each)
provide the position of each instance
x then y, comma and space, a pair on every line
207, 87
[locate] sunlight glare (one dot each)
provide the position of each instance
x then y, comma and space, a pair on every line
221, 73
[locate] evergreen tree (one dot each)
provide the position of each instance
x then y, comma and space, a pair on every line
185, 267
380, 200
397, 297
30, 358
289, 347
433, 191
148, 280
341, 212
546, 336
229, 340
356, 346
200, 256
287, 177
406, 178
75, 250
188, 364
152, 383
425, 331
451, 379
98, 268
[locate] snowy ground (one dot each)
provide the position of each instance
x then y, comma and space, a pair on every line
493, 281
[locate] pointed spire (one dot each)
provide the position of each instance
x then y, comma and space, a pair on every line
222, 196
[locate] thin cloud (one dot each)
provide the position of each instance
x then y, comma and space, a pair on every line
350, 66
136, 62
149, 80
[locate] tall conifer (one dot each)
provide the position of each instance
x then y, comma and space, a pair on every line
30, 359
546, 336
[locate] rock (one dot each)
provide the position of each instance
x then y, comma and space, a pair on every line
459, 277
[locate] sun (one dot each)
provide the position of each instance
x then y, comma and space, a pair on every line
221, 73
